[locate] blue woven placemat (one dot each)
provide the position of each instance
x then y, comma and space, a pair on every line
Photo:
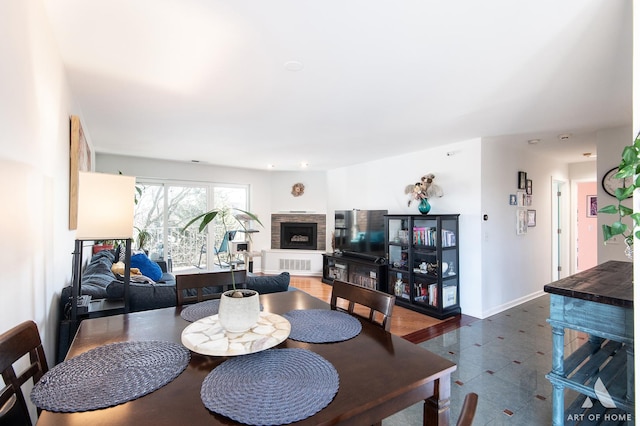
193, 313
322, 325
272, 387
109, 375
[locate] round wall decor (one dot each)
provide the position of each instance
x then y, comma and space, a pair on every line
610, 183
297, 189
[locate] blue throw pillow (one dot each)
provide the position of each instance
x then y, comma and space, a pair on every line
147, 267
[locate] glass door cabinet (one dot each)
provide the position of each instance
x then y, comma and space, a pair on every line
422, 256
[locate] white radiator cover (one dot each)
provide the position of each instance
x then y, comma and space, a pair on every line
296, 262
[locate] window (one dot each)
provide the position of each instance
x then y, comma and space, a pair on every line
164, 208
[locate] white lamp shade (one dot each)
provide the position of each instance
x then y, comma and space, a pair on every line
105, 206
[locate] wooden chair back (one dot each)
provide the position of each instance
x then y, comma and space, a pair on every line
192, 288
468, 410
21, 340
378, 305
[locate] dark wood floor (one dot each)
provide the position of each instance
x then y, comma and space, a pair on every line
413, 326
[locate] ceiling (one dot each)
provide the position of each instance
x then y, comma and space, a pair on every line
253, 83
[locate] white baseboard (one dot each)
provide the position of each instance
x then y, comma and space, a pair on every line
512, 304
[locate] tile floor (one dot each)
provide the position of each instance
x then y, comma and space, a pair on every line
504, 359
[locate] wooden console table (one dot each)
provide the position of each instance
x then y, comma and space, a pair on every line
599, 302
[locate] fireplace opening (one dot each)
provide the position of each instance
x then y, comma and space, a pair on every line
300, 236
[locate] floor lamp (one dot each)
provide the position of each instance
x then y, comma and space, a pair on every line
105, 212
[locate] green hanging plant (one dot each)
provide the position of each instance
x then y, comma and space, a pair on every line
629, 168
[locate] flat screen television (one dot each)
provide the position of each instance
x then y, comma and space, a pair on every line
360, 233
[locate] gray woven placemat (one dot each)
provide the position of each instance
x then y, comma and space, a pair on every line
109, 375
197, 311
193, 313
322, 325
273, 387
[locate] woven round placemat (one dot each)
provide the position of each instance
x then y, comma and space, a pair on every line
322, 325
193, 313
109, 375
272, 387
197, 311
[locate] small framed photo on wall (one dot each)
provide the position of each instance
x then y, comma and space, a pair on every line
531, 218
529, 187
592, 205
522, 180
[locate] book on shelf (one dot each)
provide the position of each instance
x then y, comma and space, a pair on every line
449, 296
448, 238
433, 294
423, 236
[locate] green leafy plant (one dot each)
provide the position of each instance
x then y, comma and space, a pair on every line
226, 218
629, 168
143, 238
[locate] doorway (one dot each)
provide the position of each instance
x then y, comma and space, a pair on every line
586, 225
560, 231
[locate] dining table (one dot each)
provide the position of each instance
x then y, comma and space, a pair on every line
379, 373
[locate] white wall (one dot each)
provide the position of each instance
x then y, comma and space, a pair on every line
36, 245
515, 267
314, 198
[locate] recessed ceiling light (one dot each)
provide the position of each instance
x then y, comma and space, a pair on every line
589, 155
533, 141
271, 166
564, 136
293, 66
304, 164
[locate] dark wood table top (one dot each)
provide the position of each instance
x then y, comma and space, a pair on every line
610, 283
380, 374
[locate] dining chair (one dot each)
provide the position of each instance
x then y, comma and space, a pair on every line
468, 410
224, 246
191, 288
19, 341
373, 300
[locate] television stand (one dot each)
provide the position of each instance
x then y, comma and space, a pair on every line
366, 271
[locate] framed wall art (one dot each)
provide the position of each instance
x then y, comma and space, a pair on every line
531, 218
529, 187
521, 221
522, 180
79, 160
592, 205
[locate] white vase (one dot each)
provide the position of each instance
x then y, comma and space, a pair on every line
239, 314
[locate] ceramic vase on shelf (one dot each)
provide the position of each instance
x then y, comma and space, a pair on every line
424, 206
239, 314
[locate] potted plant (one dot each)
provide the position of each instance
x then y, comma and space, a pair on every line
143, 238
239, 308
629, 167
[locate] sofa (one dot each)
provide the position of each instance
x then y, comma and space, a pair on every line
100, 282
